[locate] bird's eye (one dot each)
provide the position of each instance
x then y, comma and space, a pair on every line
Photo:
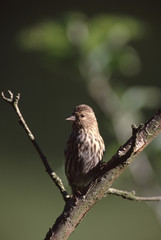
82, 115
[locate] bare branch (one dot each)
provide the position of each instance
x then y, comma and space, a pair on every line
131, 195
56, 179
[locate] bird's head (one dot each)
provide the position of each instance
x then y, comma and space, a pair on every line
83, 117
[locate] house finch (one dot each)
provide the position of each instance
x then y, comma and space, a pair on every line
84, 150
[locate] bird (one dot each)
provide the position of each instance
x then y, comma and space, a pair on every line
84, 149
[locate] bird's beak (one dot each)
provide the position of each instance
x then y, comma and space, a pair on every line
71, 118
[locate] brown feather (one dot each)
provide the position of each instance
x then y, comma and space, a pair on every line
84, 150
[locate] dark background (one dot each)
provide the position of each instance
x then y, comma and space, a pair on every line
50, 87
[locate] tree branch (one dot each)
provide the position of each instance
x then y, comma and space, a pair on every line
76, 208
74, 213
14, 102
131, 195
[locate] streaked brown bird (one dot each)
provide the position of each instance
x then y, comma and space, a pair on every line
84, 150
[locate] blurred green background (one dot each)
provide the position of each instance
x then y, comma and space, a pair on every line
59, 55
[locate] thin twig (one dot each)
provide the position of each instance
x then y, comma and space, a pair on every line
131, 195
56, 179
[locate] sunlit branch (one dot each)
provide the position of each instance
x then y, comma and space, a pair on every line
131, 195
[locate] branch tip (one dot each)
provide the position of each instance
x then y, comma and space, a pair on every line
11, 94
134, 126
131, 195
10, 99
17, 98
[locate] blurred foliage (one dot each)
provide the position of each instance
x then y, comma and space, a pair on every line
93, 60
48, 37
102, 39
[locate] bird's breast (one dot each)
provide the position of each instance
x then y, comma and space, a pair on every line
90, 148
